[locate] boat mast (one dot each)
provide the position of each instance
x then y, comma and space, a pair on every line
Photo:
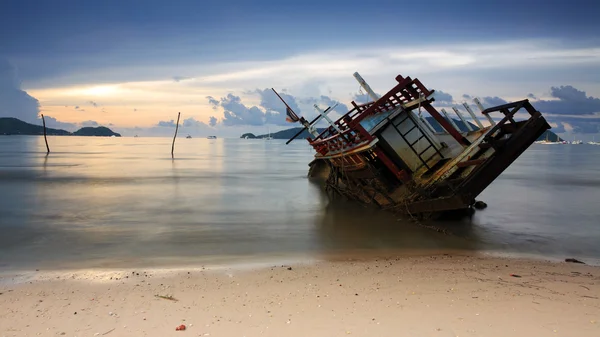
323, 115
365, 86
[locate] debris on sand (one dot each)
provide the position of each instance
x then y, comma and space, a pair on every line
169, 297
574, 261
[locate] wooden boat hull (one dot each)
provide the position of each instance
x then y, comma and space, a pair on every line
387, 154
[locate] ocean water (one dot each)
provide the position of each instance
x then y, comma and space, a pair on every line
124, 202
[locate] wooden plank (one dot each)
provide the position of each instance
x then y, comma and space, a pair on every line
471, 162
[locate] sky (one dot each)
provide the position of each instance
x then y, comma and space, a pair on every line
133, 65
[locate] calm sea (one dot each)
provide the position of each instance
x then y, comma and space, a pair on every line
124, 202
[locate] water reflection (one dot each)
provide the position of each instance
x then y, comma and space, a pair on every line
124, 201
345, 227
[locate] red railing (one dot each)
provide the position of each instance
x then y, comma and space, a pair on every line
352, 133
406, 91
341, 122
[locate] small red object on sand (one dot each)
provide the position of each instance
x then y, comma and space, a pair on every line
515, 275
180, 328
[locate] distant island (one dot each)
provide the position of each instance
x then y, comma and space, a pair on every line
283, 134
100, 131
14, 126
289, 133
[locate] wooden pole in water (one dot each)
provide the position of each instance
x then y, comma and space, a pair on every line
45, 139
175, 136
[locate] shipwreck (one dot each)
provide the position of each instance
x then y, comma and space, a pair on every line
388, 153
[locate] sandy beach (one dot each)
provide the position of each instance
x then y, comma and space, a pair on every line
442, 295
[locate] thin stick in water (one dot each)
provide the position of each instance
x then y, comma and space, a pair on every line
175, 136
45, 139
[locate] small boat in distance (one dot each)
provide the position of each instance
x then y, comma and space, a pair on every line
212, 137
188, 137
269, 136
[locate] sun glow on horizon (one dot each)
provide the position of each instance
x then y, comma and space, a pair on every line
100, 91
131, 102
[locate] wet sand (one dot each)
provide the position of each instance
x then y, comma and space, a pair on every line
442, 295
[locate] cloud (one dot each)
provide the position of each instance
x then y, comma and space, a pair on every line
15, 102
180, 78
363, 98
89, 123
442, 98
569, 101
189, 125
489, 101
168, 124
236, 113
443, 63
270, 109
570, 110
325, 101
193, 123
559, 128
188, 122
213, 102
579, 124
569, 107
275, 110
586, 128
53, 123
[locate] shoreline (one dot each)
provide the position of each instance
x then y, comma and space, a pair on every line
438, 295
257, 263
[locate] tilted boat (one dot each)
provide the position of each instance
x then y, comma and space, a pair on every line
387, 152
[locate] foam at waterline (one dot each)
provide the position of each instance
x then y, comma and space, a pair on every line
104, 275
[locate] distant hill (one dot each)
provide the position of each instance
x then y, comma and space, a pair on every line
99, 131
289, 133
283, 134
553, 137
14, 126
